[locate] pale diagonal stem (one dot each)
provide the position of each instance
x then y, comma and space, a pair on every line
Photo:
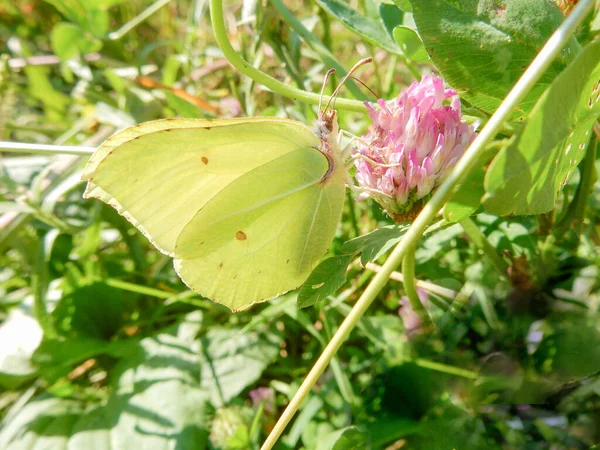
18, 147
137, 20
441, 196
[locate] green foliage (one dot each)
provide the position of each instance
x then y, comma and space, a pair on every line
526, 177
104, 347
373, 31
482, 48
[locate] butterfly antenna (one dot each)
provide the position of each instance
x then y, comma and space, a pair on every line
366, 86
348, 75
327, 75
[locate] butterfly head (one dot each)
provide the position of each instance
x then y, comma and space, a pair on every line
327, 123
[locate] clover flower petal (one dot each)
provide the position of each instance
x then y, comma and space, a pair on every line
414, 141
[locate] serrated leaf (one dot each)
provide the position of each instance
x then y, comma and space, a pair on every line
526, 177
376, 243
233, 360
364, 26
325, 280
483, 48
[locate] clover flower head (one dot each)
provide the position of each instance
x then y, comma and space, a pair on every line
414, 140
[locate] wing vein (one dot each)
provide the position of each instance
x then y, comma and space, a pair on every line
310, 230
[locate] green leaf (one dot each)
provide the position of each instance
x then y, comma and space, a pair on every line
156, 403
92, 309
570, 348
330, 274
411, 44
364, 26
325, 280
64, 39
90, 16
349, 438
69, 40
526, 177
436, 244
467, 198
404, 5
54, 352
182, 107
482, 48
233, 360
390, 16
40, 88
376, 243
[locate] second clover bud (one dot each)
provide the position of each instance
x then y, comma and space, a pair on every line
413, 143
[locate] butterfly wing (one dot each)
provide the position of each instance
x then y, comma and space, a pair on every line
160, 174
262, 234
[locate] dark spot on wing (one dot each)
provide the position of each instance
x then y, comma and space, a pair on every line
241, 236
235, 276
204, 160
288, 261
221, 266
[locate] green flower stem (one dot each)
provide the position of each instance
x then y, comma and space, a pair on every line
218, 24
426, 285
479, 239
410, 288
16, 147
326, 56
439, 367
411, 67
441, 196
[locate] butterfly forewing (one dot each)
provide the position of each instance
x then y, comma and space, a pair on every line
160, 174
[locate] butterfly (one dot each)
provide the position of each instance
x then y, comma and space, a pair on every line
246, 207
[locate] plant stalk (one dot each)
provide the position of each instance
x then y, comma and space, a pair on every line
410, 288
483, 244
17, 147
218, 24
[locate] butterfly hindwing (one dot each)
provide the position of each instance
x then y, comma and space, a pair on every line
263, 234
